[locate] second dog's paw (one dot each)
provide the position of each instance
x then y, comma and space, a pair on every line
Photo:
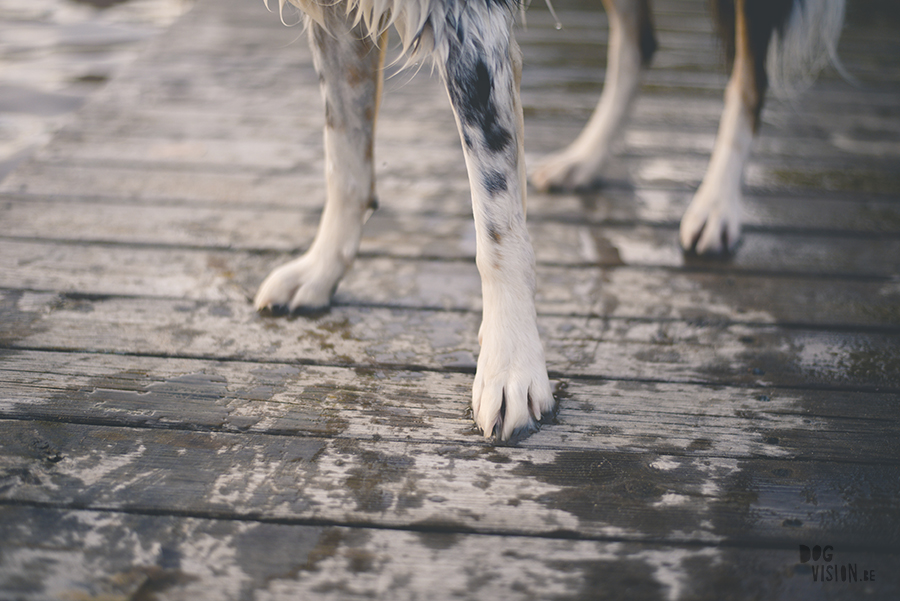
512, 391
711, 225
306, 283
565, 170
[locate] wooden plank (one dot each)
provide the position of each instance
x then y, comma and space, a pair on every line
268, 146
114, 555
116, 218
684, 420
160, 439
869, 176
616, 292
417, 236
626, 349
837, 112
204, 83
510, 490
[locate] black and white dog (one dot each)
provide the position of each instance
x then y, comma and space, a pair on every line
472, 45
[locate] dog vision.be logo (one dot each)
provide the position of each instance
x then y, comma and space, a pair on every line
823, 570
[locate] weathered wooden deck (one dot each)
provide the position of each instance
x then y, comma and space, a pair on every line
160, 440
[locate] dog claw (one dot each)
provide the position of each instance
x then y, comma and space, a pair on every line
510, 416
710, 226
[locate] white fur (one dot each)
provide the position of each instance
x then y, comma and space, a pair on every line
408, 17
309, 281
712, 222
807, 45
511, 385
579, 165
511, 389
473, 48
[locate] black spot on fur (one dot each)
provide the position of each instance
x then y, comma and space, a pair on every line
471, 86
478, 107
481, 99
497, 138
494, 182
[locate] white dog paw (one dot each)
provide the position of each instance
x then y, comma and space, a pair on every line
306, 283
566, 170
512, 391
711, 225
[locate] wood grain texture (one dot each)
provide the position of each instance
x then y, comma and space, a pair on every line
159, 440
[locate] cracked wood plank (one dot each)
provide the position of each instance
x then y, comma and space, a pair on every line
537, 491
397, 234
787, 441
65, 553
373, 404
629, 349
614, 292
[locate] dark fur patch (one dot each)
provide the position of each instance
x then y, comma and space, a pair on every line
646, 34
470, 85
763, 17
494, 182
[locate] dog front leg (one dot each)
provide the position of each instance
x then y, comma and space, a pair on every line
482, 68
349, 64
712, 222
631, 47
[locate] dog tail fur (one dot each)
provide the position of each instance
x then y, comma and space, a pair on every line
791, 40
804, 45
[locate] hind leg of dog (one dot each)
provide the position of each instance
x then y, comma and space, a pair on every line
712, 222
631, 46
481, 67
349, 64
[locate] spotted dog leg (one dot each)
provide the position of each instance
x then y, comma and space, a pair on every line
349, 64
631, 46
481, 65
